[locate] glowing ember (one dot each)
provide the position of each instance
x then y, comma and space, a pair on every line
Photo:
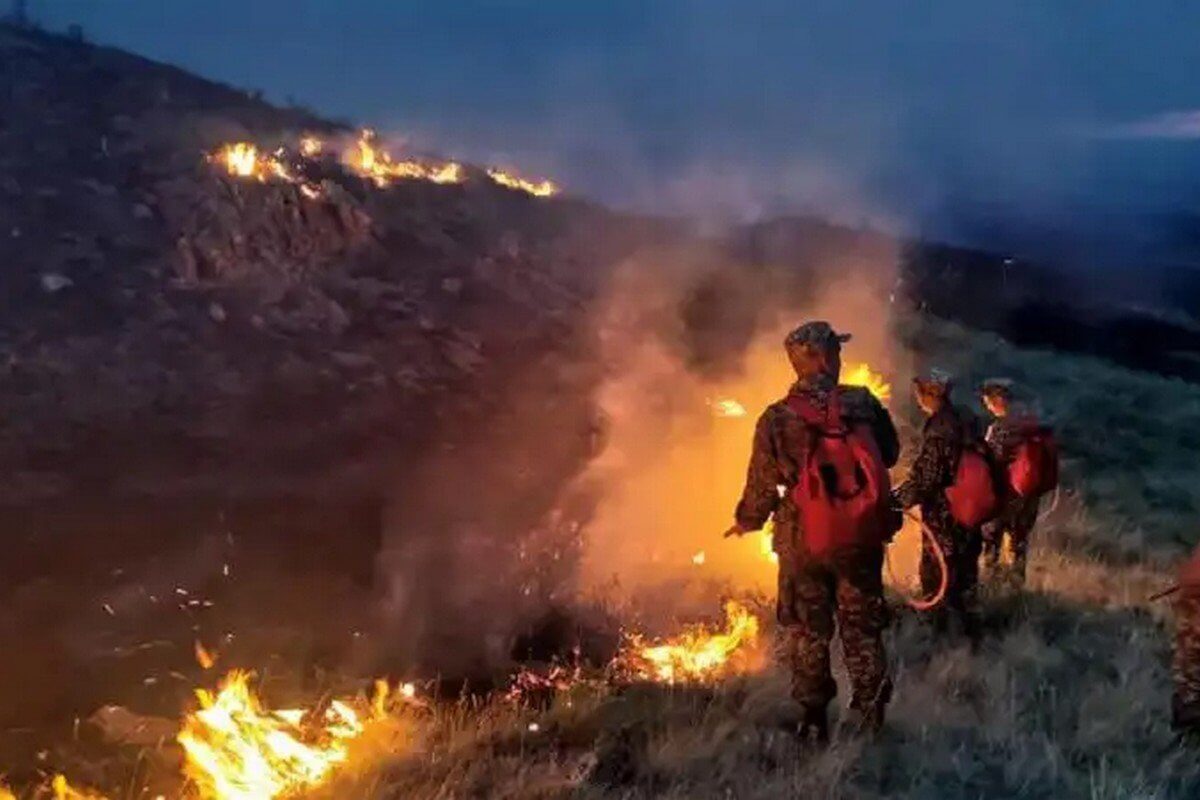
311, 147
698, 559
204, 657
698, 654
531, 685
728, 407
237, 750
536, 188
861, 375
369, 161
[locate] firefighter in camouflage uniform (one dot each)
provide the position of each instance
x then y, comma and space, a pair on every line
1017, 514
815, 595
1185, 668
947, 431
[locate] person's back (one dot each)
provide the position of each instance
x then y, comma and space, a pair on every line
1010, 428
813, 591
947, 432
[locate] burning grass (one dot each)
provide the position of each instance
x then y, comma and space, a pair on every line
697, 654
237, 750
366, 158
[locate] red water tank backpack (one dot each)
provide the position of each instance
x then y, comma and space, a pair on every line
972, 497
1034, 468
843, 494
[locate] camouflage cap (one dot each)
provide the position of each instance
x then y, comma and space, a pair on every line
934, 381
996, 387
816, 334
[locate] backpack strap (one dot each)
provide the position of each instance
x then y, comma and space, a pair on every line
826, 423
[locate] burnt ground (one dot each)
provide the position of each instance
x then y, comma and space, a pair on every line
201, 376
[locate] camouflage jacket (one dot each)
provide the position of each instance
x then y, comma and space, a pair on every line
781, 443
943, 438
1005, 434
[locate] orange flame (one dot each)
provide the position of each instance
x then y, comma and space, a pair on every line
697, 654
365, 158
861, 375
371, 162
243, 160
543, 188
238, 750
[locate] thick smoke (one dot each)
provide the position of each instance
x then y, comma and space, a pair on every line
613, 495
675, 460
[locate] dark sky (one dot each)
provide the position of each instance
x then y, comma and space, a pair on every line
916, 113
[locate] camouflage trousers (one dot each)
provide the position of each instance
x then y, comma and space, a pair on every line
1185, 666
1016, 520
813, 598
961, 546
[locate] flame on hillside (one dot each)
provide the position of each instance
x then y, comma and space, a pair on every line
237, 749
696, 655
245, 160
366, 158
542, 188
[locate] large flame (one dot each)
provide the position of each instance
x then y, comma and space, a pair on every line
697, 654
370, 161
542, 188
238, 750
861, 375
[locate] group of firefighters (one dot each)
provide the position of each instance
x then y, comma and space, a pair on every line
818, 468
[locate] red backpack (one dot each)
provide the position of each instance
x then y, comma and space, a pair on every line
972, 497
843, 494
1034, 469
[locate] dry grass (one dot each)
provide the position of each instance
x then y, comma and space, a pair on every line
1068, 697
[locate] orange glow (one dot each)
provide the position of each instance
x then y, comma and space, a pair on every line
64, 791
238, 750
728, 407
698, 654
543, 188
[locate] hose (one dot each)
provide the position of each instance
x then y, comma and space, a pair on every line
1042, 515
939, 555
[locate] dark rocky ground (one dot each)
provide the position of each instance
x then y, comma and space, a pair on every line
198, 372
